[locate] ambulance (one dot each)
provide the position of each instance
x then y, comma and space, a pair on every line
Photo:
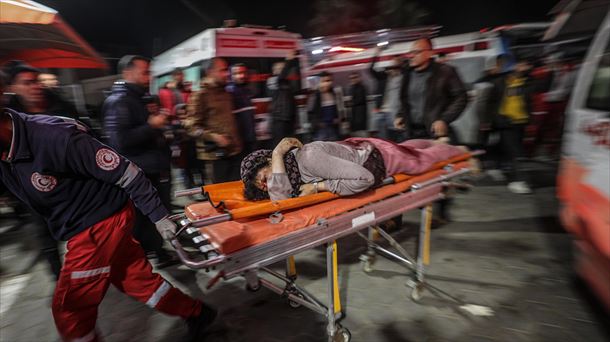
583, 184
255, 46
472, 54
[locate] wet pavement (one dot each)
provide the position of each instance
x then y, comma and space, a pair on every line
502, 252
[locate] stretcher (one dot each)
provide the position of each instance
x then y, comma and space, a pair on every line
240, 238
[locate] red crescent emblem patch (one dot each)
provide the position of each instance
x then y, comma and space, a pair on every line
107, 159
43, 183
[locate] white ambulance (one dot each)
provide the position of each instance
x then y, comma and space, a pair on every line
583, 183
470, 53
256, 47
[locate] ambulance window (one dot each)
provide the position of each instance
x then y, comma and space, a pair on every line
599, 93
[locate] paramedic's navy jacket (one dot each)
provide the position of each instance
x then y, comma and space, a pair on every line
69, 178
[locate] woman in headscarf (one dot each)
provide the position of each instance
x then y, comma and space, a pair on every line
344, 168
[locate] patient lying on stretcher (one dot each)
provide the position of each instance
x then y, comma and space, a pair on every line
344, 168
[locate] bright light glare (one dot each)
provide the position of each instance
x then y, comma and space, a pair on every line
345, 49
382, 43
317, 52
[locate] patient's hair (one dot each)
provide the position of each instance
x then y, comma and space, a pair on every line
251, 192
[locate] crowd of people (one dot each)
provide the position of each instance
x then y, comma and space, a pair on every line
213, 128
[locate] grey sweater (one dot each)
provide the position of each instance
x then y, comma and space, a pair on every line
338, 165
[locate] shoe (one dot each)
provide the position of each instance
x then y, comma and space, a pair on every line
496, 175
197, 326
519, 188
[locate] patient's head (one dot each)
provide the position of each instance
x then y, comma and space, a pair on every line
255, 171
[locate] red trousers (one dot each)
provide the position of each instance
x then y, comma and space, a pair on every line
107, 254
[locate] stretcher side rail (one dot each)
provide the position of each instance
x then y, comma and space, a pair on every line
327, 230
324, 231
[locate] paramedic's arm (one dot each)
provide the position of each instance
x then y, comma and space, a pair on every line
339, 176
88, 157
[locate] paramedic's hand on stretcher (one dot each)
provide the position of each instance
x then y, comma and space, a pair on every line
166, 227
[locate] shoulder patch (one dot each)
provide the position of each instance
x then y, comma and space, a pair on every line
43, 183
107, 159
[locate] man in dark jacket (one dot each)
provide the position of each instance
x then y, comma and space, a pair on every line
432, 95
138, 135
283, 105
243, 107
85, 191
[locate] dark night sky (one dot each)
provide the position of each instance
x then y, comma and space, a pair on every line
116, 27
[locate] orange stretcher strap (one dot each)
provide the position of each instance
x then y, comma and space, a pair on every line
234, 235
233, 201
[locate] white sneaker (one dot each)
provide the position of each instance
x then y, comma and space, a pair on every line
496, 175
519, 188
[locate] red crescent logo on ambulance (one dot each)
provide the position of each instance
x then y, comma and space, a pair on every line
107, 159
43, 183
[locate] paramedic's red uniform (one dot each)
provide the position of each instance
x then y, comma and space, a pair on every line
107, 254
85, 190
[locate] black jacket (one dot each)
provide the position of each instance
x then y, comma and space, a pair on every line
446, 96
126, 125
283, 105
70, 179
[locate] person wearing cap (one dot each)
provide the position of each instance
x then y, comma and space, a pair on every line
86, 192
138, 134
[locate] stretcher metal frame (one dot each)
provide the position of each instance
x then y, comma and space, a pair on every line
251, 261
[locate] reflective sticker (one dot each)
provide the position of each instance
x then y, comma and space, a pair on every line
107, 159
43, 183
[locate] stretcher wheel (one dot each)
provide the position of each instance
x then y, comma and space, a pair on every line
294, 304
342, 335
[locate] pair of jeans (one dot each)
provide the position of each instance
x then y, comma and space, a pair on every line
384, 121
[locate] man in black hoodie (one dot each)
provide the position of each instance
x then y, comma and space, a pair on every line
137, 134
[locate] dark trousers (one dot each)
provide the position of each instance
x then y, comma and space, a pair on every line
227, 169
511, 144
281, 129
144, 231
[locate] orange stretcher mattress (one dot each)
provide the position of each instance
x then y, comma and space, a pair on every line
243, 232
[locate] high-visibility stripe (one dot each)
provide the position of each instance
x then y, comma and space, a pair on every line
156, 297
128, 176
87, 338
90, 273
